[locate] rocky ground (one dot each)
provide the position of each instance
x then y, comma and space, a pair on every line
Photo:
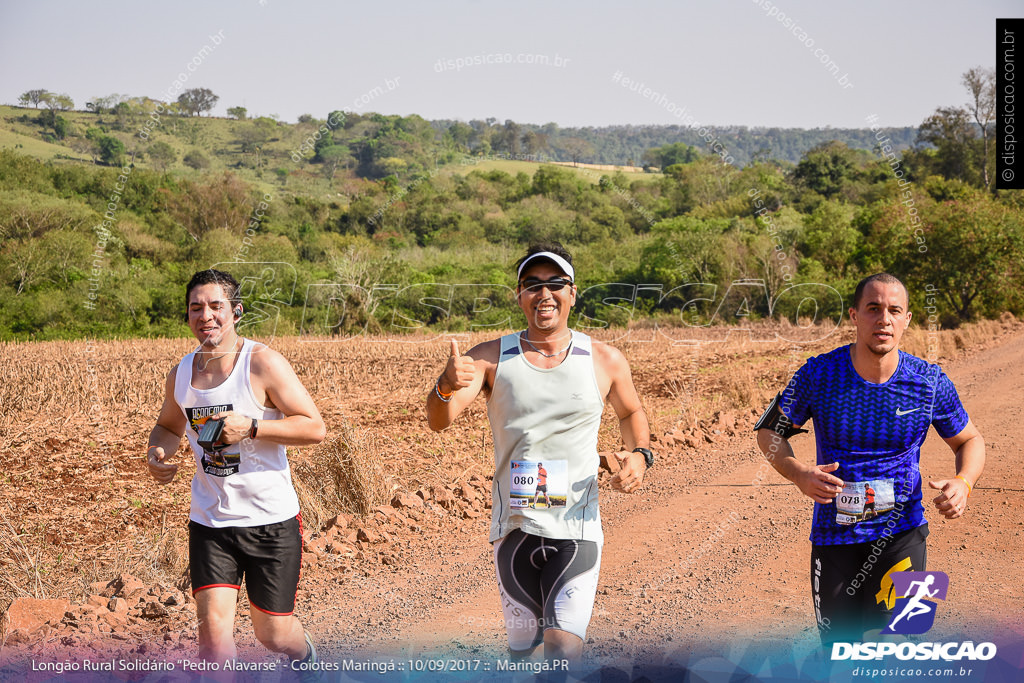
706, 567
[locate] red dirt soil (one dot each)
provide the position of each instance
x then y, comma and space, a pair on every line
713, 551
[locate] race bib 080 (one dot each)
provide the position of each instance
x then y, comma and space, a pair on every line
538, 485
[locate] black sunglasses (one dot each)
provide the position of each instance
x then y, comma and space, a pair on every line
554, 284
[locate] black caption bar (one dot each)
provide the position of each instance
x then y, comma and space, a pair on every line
1009, 147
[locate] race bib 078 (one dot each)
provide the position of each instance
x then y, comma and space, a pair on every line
863, 500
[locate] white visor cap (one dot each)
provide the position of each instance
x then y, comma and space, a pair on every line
547, 256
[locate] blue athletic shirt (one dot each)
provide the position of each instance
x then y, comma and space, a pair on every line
874, 432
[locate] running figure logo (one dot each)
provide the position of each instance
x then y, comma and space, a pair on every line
916, 593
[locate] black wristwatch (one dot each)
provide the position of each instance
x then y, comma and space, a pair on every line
648, 456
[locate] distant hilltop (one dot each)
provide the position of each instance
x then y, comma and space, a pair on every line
418, 143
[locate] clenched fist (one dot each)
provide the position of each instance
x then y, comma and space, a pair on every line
159, 468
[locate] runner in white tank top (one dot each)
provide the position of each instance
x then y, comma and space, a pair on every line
546, 387
244, 516
549, 417
249, 482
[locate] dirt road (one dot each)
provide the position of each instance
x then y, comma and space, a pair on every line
705, 569
712, 554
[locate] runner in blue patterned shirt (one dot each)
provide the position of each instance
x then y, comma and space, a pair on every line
872, 405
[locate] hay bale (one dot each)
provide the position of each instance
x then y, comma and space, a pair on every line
342, 474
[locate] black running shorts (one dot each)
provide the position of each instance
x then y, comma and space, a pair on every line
268, 556
851, 585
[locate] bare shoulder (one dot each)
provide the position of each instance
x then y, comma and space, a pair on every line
266, 361
608, 357
170, 382
486, 352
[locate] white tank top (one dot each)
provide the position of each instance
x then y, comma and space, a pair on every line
545, 418
248, 483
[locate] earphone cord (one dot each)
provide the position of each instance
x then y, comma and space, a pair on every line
202, 366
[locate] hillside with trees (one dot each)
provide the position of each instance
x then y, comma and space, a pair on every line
371, 144
387, 223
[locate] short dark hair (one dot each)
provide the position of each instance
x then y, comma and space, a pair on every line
216, 277
885, 279
554, 247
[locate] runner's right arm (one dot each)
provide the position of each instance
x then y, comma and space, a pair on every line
813, 481
166, 435
463, 378
774, 430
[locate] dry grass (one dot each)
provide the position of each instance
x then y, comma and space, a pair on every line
343, 474
950, 343
75, 416
20, 575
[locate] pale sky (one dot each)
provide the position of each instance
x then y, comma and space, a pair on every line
721, 63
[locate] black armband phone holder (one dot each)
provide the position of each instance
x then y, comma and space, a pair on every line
774, 419
210, 434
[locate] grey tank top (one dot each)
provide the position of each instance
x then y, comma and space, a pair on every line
545, 424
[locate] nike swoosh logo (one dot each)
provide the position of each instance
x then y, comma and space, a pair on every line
904, 412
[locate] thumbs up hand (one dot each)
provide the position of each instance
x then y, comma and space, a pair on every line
459, 372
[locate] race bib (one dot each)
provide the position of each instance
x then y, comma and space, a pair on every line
864, 500
222, 462
538, 485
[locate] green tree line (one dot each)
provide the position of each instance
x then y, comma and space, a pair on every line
401, 233
693, 232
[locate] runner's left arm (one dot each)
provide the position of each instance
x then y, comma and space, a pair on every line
969, 447
302, 424
633, 424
